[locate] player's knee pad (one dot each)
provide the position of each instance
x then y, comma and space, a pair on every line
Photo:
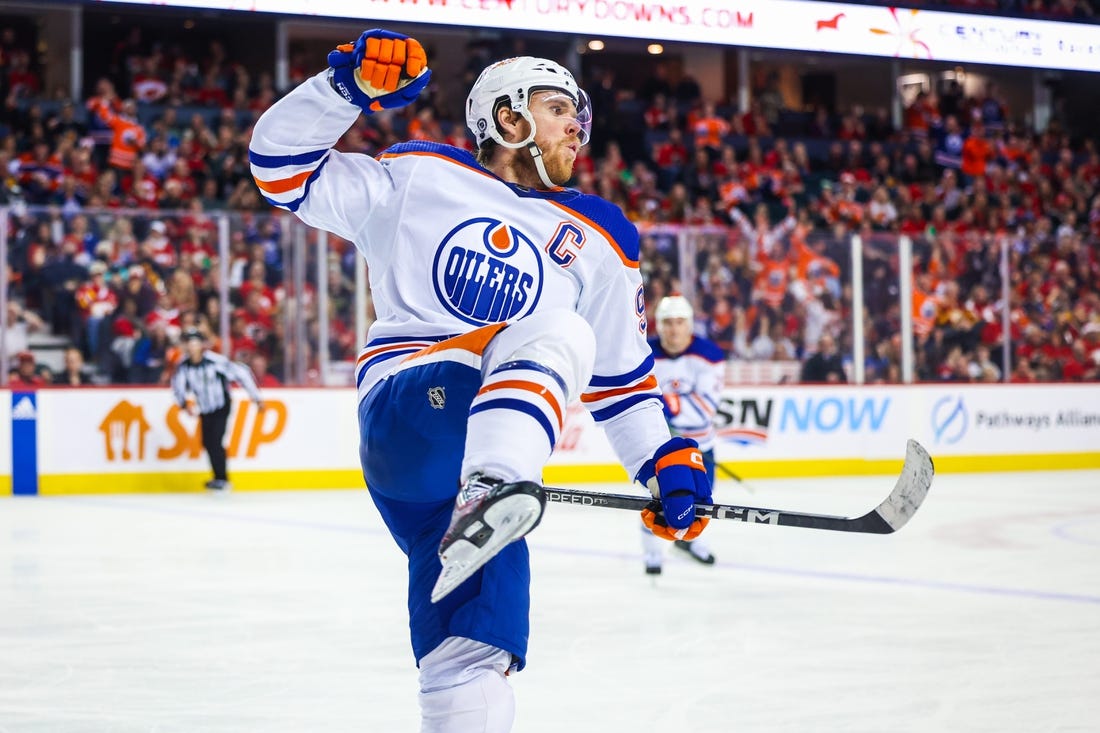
557, 339
463, 689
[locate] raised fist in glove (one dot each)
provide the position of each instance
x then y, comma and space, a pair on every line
678, 480
381, 70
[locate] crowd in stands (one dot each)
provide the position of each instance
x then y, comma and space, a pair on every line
113, 236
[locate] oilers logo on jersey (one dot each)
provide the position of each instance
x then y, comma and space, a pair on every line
487, 271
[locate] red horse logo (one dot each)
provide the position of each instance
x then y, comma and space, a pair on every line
834, 23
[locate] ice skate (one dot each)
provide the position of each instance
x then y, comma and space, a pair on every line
698, 552
488, 515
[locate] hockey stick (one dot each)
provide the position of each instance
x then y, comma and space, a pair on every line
730, 474
889, 516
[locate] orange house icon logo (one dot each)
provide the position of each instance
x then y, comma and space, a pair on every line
117, 426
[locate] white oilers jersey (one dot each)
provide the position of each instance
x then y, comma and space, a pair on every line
690, 384
451, 247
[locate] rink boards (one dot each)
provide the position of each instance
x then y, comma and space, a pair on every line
106, 440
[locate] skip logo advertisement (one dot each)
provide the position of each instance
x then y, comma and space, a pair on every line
125, 432
486, 271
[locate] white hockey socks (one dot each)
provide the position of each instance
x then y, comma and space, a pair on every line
463, 689
531, 371
653, 548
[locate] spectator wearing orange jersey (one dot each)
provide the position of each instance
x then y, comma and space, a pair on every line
925, 306
815, 272
976, 152
773, 278
837, 207
127, 135
710, 129
425, 126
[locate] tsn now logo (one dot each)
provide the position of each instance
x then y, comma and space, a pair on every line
125, 429
749, 421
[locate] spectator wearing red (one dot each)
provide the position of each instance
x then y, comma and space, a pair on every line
159, 248
671, 156
198, 246
165, 316
257, 282
140, 189
921, 115
264, 378
149, 84
180, 184
25, 374
97, 303
258, 322
212, 92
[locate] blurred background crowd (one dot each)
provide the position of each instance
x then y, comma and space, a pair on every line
114, 203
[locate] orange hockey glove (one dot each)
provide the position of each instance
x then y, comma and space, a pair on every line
676, 477
381, 70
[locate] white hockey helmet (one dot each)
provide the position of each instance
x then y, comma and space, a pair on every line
674, 306
514, 80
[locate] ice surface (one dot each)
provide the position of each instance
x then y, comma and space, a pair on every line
285, 611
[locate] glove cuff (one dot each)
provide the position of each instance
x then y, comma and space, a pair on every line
351, 93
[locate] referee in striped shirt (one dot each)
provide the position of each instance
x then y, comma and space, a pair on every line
206, 376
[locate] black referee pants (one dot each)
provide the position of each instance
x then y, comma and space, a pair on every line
213, 432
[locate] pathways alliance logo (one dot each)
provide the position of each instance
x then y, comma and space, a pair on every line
949, 420
486, 271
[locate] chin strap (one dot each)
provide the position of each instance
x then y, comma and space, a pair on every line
536, 153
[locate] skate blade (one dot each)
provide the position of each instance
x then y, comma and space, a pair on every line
511, 519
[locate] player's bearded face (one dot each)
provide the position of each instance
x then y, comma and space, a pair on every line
556, 133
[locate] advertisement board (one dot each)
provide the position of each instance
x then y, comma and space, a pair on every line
814, 431
115, 440
803, 25
139, 440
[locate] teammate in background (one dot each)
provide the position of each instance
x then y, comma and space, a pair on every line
205, 377
689, 371
501, 299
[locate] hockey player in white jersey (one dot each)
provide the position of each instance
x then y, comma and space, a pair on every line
501, 299
689, 372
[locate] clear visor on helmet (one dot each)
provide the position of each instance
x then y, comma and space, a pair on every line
562, 103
